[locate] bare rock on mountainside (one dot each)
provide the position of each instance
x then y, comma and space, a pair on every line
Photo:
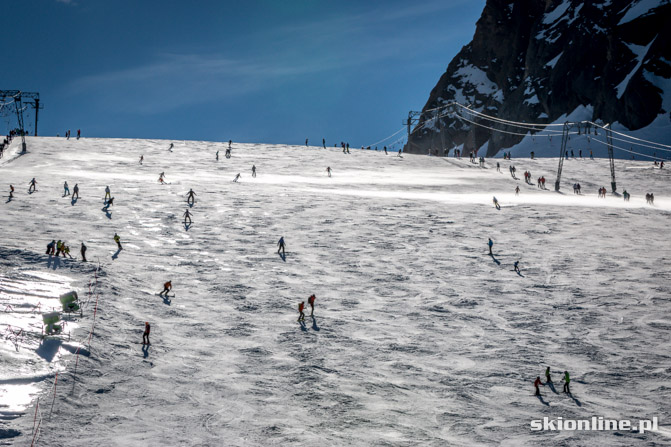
534, 61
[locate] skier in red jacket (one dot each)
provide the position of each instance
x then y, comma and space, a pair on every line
311, 302
301, 306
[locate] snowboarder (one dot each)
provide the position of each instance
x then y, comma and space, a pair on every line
108, 195
75, 192
117, 239
516, 266
141, 158
517, 190
66, 189
235, 180
301, 316
490, 244
536, 384
328, 171
496, 204
145, 335
311, 302
31, 186
567, 380
548, 379
253, 171
217, 155
280, 244
82, 250
190, 197
187, 216
167, 287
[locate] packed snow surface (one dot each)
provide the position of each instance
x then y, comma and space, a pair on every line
419, 336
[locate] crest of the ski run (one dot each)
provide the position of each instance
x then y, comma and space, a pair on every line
416, 329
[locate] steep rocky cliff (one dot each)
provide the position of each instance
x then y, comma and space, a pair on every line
536, 61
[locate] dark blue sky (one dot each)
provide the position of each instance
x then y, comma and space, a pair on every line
253, 71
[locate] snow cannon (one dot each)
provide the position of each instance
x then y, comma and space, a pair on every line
50, 323
69, 301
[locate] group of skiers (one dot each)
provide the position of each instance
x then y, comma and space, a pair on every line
67, 134
548, 381
602, 192
649, 198
60, 248
576, 188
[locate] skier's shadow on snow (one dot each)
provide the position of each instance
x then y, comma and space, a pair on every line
9, 199
167, 300
56, 262
303, 327
107, 211
283, 256
73, 201
520, 273
495, 260
314, 323
145, 351
187, 226
116, 255
542, 401
552, 387
577, 402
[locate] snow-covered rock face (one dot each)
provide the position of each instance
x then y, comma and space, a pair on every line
419, 338
534, 61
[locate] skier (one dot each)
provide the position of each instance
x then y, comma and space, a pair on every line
117, 239
66, 189
50, 247
385, 151
328, 171
567, 380
311, 302
59, 247
306, 142
187, 216
229, 144
280, 244
498, 167
626, 195
228, 153
517, 190
490, 244
107, 192
160, 179
31, 186
253, 171
79, 133
324, 142
171, 146
66, 251
190, 197
11, 192
591, 157
75, 192
145, 335
548, 379
399, 153
217, 155
141, 158
235, 180
82, 250
167, 287
496, 204
536, 384
516, 266
301, 316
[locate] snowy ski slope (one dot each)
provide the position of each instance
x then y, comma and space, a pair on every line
419, 337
